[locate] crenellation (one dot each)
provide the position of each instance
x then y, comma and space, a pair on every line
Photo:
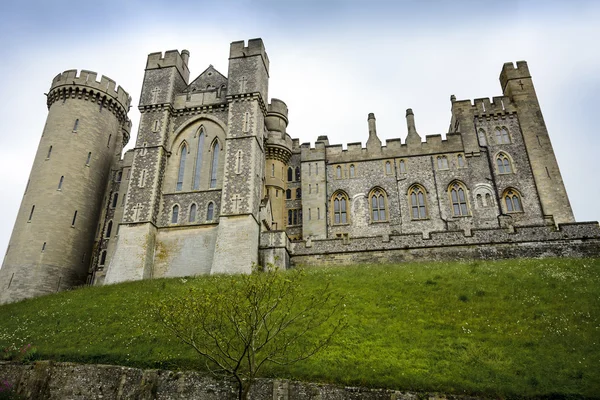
215, 182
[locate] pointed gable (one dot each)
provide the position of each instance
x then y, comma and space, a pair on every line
209, 80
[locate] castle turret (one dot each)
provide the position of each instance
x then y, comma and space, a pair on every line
517, 84
86, 128
278, 153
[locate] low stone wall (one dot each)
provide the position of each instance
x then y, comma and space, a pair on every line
568, 240
68, 381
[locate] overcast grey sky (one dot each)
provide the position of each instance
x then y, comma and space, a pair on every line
332, 62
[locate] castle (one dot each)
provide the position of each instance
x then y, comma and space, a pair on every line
215, 183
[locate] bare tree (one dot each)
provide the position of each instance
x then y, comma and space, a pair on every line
239, 323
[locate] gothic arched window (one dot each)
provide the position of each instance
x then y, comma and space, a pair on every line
442, 162
181, 172
338, 172
461, 161
378, 200
402, 166
340, 207
503, 163
115, 200
288, 194
290, 176
175, 214
418, 204
198, 167
502, 136
298, 193
214, 165
512, 201
352, 172
192, 214
458, 197
388, 168
297, 174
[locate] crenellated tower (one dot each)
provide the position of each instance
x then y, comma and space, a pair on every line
518, 86
239, 225
165, 77
51, 244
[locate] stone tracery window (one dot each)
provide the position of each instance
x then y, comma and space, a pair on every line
458, 198
378, 201
418, 204
502, 136
340, 207
512, 200
503, 163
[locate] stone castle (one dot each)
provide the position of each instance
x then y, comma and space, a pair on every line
215, 183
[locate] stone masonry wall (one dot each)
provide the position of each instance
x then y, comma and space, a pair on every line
569, 240
68, 381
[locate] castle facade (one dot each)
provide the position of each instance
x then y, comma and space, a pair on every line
215, 183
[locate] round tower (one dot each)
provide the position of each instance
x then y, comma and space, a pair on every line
278, 153
51, 243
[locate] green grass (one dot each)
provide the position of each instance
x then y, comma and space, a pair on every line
506, 328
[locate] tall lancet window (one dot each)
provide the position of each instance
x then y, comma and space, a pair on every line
199, 159
214, 165
181, 168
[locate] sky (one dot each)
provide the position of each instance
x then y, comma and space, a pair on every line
332, 62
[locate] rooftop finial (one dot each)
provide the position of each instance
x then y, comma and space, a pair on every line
413, 136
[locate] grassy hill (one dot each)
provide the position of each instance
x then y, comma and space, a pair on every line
505, 328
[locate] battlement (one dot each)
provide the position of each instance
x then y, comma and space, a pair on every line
277, 116
509, 72
433, 144
485, 105
172, 58
573, 239
255, 47
89, 79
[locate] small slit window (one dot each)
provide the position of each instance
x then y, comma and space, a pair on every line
49, 153
192, 215
60, 183
210, 211
175, 214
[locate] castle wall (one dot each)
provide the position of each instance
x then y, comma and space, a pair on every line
570, 240
184, 251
